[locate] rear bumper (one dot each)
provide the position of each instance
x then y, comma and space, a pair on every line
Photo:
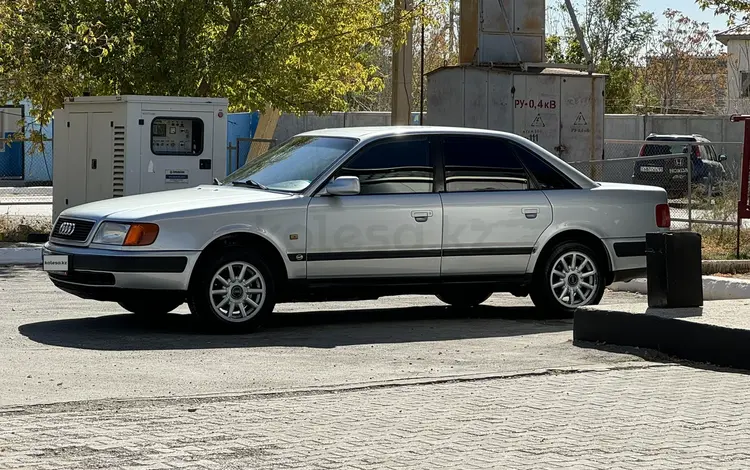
112, 275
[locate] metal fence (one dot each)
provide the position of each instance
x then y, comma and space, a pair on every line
702, 179
244, 148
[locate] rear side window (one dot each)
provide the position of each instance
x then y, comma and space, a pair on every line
546, 176
482, 164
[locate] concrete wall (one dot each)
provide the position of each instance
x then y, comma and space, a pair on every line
291, 124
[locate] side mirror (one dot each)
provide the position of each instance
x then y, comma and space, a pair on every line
343, 186
722, 158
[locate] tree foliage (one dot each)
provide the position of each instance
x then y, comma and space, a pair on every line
734, 9
296, 55
615, 31
684, 66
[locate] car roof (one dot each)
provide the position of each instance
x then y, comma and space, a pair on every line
679, 137
374, 132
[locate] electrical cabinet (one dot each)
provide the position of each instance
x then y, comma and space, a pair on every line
113, 146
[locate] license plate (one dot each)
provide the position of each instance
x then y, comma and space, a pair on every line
651, 169
56, 263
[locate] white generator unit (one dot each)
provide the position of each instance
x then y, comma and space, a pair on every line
113, 146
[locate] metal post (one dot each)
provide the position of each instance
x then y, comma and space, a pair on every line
401, 71
739, 230
690, 187
421, 73
510, 30
579, 35
238, 153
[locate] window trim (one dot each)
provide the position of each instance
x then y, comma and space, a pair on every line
376, 143
178, 154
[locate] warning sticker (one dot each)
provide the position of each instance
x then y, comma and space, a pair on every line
176, 176
538, 121
580, 120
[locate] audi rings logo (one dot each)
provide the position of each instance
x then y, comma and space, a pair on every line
66, 229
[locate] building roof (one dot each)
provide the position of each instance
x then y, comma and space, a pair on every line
740, 32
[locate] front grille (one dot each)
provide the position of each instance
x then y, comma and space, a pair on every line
72, 229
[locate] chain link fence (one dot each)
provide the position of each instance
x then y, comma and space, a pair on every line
702, 180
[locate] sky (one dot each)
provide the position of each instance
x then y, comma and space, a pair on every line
689, 7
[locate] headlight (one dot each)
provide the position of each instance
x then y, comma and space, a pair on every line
111, 233
114, 233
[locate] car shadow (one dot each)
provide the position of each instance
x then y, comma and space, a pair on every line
314, 329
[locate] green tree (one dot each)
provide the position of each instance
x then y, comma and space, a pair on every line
616, 32
296, 55
734, 9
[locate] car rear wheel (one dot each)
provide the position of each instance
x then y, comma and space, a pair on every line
464, 297
152, 305
571, 276
233, 292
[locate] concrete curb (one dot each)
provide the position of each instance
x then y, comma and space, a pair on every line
667, 333
714, 288
21, 255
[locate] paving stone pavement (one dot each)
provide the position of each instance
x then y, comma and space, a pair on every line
639, 416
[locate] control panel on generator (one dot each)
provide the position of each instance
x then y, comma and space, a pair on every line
112, 146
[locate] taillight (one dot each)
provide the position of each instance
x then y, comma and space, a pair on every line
663, 219
643, 151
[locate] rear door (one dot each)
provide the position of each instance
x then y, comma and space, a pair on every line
493, 213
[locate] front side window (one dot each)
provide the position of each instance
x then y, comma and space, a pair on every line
176, 136
482, 164
293, 165
393, 167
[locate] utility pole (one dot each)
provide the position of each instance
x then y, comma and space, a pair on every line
401, 70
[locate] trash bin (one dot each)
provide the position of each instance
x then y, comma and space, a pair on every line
674, 270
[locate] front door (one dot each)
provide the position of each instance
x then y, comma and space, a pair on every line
392, 228
493, 213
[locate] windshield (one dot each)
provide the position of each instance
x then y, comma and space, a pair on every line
293, 165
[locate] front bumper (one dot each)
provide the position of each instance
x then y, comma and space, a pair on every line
112, 275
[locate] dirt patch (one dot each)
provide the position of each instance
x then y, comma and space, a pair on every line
18, 228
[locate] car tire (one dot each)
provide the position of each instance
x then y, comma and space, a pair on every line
465, 297
585, 277
152, 305
233, 292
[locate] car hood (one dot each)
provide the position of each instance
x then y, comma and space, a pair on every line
164, 203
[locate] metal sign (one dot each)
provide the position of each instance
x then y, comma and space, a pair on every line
743, 205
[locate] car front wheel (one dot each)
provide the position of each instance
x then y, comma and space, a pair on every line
571, 276
233, 292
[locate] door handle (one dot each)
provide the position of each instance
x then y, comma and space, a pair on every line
530, 213
93, 163
421, 216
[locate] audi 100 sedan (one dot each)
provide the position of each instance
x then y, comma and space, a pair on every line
360, 213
